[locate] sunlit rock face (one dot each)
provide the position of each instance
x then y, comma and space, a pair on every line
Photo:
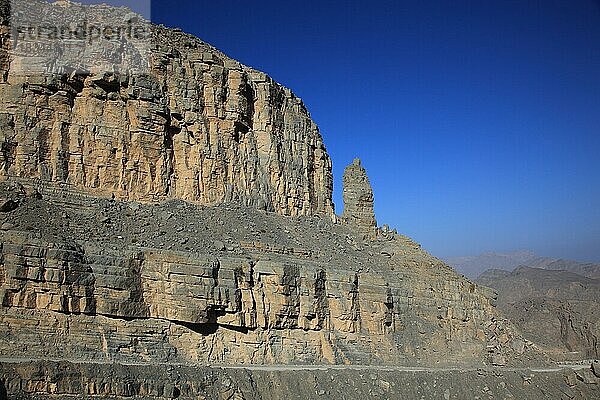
358, 198
96, 264
129, 282
196, 126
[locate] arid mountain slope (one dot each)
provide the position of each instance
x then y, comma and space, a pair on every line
232, 283
558, 310
229, 284
151, 224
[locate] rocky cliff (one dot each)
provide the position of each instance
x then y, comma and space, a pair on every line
184, 217
115, 280
172, 282
198, 126
358, 199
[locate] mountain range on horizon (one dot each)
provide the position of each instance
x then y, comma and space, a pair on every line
474, 266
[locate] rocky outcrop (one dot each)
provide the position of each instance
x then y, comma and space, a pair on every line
358, 199
133, 283
108, 253
488, 277
198, 126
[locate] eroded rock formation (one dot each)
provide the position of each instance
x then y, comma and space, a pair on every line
358, 199
131, 282
199, 127
166, 280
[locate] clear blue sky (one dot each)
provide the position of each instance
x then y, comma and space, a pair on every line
478, 121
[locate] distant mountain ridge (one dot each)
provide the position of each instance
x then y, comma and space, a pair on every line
473, 266
590, 270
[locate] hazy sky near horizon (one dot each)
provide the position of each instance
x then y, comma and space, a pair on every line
478, 121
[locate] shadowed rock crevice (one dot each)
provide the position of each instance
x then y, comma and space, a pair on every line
287, 317
208, 329
355, 305
321, 304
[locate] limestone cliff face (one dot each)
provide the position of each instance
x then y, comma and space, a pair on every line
199, 127
173, 306
88, 278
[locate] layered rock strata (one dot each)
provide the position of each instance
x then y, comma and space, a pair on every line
86, 277
198, 126
105, 280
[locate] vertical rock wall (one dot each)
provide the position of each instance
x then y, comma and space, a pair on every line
199, 127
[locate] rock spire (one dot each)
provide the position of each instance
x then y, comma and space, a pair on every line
358, 198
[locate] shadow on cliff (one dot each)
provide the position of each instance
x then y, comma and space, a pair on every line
3, 394
210, 328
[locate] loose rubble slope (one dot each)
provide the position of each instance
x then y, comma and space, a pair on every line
175, 281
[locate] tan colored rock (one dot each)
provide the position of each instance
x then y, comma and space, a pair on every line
254, 307
358, 198
200, 127
91, 279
